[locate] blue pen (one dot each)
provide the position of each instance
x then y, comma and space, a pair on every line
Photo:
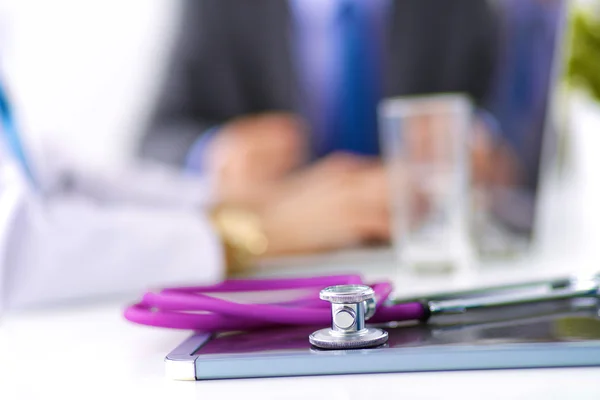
11, 134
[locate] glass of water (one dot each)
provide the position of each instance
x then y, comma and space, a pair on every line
425, 141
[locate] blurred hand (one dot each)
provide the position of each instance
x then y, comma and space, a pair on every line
251, 153
493, 163
341, 201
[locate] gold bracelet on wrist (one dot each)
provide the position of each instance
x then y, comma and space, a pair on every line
242, 235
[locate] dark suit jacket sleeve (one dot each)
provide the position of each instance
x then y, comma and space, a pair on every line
484, 52
442, 46
198, 89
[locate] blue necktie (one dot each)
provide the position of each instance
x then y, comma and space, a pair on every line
354, 123
9, 130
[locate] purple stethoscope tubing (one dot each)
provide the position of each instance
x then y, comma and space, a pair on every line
193, 308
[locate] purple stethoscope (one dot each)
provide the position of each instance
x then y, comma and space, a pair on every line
344, 302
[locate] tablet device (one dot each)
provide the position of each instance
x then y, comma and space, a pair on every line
565, 339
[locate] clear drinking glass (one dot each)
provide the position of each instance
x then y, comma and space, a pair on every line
426, 150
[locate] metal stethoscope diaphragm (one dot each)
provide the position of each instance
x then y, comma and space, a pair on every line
351, 307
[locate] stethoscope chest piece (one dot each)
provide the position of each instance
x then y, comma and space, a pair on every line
351, 306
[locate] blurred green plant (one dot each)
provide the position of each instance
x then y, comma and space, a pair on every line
583, 69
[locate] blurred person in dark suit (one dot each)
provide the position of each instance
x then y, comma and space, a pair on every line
277, 99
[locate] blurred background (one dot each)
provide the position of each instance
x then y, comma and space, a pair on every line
87, 74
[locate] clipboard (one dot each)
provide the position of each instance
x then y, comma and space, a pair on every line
538, 339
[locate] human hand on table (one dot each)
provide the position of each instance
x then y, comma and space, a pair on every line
340, 201
493, 162
428, 142
336, 202
249, 155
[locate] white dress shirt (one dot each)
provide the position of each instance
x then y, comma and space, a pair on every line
78, 235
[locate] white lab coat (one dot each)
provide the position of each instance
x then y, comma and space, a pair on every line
79, 235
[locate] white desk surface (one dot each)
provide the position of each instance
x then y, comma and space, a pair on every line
89, 351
